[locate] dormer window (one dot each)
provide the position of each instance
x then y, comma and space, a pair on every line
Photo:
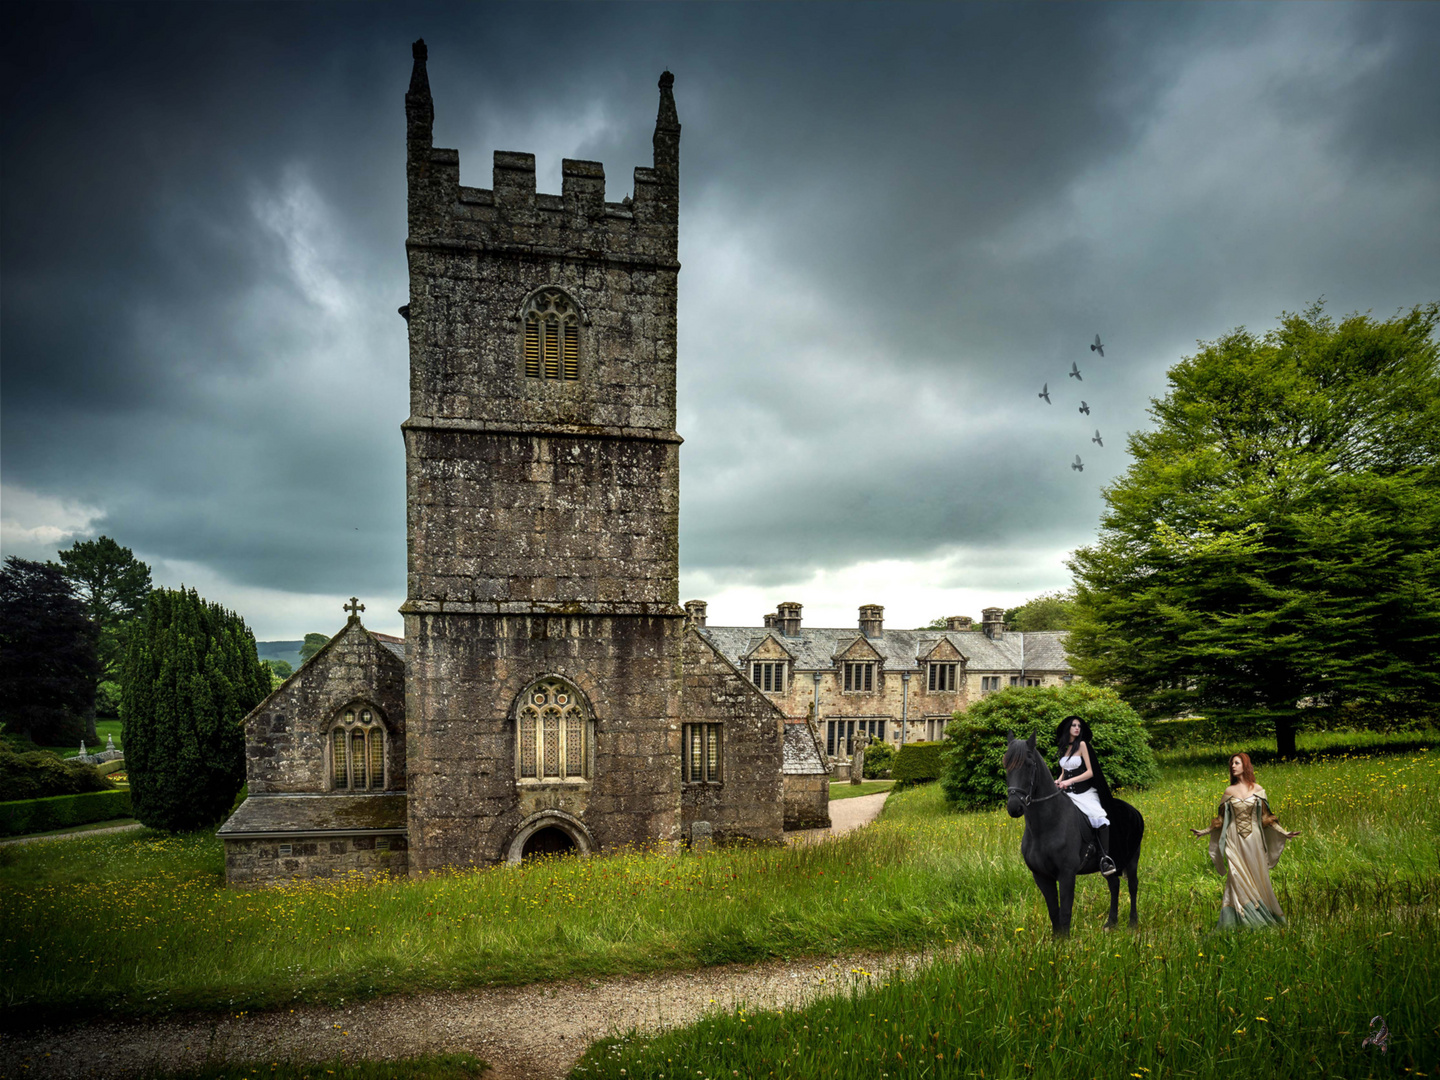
357, 751
768, 675
942, 678
552, 336
860, 676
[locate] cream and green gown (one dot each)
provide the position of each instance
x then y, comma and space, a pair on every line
1245, 850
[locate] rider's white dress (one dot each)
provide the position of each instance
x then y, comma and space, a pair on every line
1088, 801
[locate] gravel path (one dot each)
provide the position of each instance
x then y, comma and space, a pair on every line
536, 1031
72, 835
525, 1031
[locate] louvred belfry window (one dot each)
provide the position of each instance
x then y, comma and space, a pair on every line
552, 735
552, 336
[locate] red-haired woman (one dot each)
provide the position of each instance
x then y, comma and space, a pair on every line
1245, 845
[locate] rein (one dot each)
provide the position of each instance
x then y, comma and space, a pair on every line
1029, 797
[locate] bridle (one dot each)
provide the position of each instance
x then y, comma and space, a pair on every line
1029, 797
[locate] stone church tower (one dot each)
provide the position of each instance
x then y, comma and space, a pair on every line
543, 634
548, 695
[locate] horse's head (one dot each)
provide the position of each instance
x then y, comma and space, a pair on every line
1020, 765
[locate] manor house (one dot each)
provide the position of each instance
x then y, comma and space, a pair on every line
894, 685
548, 694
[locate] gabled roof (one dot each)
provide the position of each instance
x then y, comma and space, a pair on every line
393, 645
777, 647
802, 756
815, 648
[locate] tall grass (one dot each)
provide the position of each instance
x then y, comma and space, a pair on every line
140, 922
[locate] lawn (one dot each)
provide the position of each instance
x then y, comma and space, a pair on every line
103, 728
843, 789
172, 936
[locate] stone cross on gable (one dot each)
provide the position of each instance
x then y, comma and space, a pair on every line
354, 608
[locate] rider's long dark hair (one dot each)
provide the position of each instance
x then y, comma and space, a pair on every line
1064, 741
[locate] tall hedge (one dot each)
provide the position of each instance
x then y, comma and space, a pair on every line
975, 741
917, 763
191, 675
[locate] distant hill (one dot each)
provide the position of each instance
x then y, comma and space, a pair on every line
289, 651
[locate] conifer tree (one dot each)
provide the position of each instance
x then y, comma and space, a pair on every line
191, 675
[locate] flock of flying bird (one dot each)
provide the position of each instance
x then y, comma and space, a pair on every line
1078, 465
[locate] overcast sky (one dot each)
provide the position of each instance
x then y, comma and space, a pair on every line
897, 223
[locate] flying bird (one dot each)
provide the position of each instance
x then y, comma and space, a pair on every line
1097, 347
1079, 465
1075, 371
1045, 393
1085, 408
1097, 440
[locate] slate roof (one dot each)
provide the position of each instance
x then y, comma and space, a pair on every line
802, 756
395, 644
300, 815
816, 647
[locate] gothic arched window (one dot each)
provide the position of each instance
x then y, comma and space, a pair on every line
552, 336
552, 735
357, 750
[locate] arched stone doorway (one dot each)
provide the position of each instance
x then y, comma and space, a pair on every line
548, 841
550, 832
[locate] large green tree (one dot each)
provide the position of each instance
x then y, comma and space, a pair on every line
47, 655
190, 676
112, 584
1048, 611
1273, 553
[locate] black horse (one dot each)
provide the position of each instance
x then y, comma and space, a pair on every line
1058, 841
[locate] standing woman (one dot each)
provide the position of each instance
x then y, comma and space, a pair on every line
1245, 844
1081, 779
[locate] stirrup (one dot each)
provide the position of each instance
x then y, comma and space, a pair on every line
1107, 866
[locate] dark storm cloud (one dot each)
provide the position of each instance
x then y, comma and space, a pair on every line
897, 222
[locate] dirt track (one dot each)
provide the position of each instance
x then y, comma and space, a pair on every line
526, 1031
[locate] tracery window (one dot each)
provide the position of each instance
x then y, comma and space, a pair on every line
552, 735
357, 751
552, 336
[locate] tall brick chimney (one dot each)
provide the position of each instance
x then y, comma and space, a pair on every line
992, 621
872, 619
789, 617
958, 622
695, 612
772, 621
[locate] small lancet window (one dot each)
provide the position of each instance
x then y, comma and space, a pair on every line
552, 336
357, 752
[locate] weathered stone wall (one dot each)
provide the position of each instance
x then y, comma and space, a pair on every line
748, 802
260, 861
465, 799
286, 734
521, 518
807, 801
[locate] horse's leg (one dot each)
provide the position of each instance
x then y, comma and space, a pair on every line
1114, 882
1067, 903
1046, 885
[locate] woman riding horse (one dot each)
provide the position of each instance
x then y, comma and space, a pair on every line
1057, 842
1084, 781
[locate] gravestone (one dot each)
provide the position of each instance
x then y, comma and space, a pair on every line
857, 759
702, 836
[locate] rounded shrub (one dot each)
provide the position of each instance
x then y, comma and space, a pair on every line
878, 758
917, 763
974, 776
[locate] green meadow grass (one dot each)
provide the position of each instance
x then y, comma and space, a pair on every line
140, 922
